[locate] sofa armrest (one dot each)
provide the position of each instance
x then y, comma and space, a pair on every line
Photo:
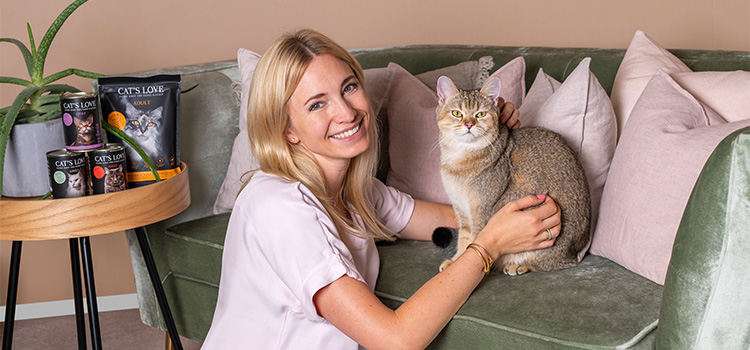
704, 304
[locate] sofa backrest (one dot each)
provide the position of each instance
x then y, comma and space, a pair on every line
209, 113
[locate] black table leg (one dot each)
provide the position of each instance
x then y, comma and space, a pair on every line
10, 305
148, 258
75, 268
88, 276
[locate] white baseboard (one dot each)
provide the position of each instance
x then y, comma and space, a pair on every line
67, 307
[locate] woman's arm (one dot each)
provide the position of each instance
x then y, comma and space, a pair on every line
350, 305
428, 216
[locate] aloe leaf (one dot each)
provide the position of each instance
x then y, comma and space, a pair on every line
117, 132
8, 122
41, 54
67, 72
31, 40
17, 81
190, 89
45, 116
27, 55
59, 88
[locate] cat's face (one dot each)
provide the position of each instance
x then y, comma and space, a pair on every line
468, 118
142, 124
75, 181
85, 126
114, 177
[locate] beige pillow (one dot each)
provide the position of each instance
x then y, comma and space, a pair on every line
580, 111
413, 132
663, 147
727, 93
242, 160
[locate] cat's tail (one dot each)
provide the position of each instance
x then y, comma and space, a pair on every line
445, 237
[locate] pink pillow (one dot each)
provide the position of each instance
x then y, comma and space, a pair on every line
642, 59
413, 131
727, 93
666, 142
242, 160
580, 111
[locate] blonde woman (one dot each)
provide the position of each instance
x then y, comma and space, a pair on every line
300, 263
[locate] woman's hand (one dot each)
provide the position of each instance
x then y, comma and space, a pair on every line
508, 114
513, 229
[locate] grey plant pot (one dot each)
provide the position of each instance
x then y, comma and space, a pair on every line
25, 170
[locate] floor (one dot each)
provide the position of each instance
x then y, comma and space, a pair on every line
121, 330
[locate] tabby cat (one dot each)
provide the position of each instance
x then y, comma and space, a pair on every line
114, 179
85, 131
484, 165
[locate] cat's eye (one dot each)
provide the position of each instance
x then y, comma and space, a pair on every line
481, 114
457, 113
136, 123
150, 124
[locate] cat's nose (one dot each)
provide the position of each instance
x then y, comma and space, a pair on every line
469, 125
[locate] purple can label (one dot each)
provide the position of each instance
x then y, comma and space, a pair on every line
81, 122
67, 174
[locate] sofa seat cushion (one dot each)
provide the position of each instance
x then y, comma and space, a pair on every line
597, 305
194, 248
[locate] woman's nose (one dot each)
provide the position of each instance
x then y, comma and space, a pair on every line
345, 112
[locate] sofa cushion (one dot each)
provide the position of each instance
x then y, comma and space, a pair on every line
579, 308
586, 307
580, 111
724, 91
668, 138
194, 248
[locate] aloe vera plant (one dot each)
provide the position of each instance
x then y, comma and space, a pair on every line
40, 99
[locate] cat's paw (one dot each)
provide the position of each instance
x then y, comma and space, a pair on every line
445, 264
515, 270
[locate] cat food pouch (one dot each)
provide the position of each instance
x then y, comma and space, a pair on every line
148, 111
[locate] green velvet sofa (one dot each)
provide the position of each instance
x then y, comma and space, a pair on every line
598, 305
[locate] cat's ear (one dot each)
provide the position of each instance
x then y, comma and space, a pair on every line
445, 89
491, 88
90, 118
129, 109
157, 112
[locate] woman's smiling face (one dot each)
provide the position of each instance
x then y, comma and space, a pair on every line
329, 112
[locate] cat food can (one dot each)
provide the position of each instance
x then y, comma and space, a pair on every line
67, 173
107, 166
81, 122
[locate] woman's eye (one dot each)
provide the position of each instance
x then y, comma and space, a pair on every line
457, 113
315, 106
481, 114
350, 87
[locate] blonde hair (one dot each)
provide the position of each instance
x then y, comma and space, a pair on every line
276, 77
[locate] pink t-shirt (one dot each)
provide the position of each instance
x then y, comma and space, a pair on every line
281, 248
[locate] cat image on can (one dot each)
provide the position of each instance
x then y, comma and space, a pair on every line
68, 176
108, 169
80, 115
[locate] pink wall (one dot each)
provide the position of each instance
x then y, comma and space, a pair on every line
116, 37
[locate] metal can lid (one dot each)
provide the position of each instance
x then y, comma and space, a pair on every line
59, 153
109, 147
78, 94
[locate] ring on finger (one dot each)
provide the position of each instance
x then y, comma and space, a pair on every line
549, 234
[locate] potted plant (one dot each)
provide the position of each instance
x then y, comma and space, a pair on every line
38, 103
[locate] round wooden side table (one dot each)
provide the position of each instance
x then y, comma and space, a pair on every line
76, 219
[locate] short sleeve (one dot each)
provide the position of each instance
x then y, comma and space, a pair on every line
298, 240
393, 207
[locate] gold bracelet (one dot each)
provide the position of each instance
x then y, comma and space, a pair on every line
484, 255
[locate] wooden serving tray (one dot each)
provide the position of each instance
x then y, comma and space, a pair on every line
32, 220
